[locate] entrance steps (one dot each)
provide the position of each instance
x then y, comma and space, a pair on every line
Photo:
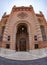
21, 55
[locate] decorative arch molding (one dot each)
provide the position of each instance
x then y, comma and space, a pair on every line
43, 32
12, 32
27, 24
23, 22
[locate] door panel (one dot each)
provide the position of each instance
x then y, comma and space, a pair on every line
22, 44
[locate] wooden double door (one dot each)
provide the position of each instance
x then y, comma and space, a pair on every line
21, 43
21, 38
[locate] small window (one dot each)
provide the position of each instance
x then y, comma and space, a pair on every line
8, 46
35, 37
36, 46
8, 38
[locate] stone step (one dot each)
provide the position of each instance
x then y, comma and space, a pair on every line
21, 55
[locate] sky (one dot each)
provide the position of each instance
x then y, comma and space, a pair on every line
38, 5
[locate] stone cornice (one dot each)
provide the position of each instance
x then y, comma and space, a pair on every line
22, 8
5, 16
39, 15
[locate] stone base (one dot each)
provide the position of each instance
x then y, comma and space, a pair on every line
21, 55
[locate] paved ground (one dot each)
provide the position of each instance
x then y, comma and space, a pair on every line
4, 61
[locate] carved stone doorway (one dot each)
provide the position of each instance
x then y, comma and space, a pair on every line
22, 39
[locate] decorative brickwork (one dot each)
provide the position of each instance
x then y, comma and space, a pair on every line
29, 24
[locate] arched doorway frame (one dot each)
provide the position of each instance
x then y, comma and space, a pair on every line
24, 46
15, 31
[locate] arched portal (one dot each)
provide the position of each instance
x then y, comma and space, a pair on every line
22, 39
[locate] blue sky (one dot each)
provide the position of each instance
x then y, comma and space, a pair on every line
38, 5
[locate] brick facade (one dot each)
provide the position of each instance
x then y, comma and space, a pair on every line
23, 17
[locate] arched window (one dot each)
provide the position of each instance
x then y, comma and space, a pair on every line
43, 32
3, 27
1, 37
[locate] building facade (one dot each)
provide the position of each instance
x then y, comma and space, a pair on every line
23, 29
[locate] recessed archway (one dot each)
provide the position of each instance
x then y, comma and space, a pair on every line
22, 38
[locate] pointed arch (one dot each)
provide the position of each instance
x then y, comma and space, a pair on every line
43, 32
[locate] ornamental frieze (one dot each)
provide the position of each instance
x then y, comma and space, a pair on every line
22, 15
